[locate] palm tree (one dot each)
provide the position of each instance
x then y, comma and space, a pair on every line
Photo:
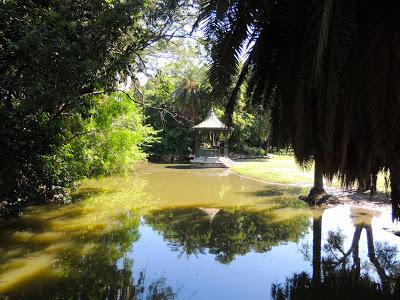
328, 71
191, 93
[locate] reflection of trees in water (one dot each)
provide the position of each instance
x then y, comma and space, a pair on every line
98, 278
381, 255
107, 273
342, 276
335, 285
95, 278
101, 272
227, 234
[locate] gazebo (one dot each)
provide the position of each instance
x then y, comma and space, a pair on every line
211, 147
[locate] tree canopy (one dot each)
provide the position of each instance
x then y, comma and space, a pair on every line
56, 57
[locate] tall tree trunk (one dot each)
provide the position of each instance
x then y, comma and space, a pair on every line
318, 188
316, 261
318, 176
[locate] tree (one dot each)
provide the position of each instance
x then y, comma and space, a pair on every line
328, 71
191, 92
251, 128
54, 55
179, 89
115, 126
173, 129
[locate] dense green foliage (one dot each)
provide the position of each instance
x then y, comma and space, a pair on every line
182, 95
180, 101
250, 130
174, 132
176, 97
53, 56
107, 142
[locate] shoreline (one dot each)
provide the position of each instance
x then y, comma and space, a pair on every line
380, 199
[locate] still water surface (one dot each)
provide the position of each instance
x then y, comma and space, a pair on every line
171, 232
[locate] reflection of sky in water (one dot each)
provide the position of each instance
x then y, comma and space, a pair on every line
249, 276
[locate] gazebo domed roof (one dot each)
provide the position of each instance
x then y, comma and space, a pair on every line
211, 122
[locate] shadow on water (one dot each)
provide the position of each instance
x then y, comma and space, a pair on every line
180, 167
340, 273
276, 191
85, 193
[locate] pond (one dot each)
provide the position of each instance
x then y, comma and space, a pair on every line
171, 232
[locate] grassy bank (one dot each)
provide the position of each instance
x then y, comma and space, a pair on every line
282, 169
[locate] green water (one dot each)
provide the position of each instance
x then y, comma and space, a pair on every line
171, 232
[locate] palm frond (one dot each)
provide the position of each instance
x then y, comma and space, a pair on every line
328, 72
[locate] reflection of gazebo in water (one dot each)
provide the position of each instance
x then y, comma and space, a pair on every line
210, 212
211, 147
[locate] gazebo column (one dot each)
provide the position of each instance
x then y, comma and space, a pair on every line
196, 143
225, 144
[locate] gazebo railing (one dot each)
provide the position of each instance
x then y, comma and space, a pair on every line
208, 152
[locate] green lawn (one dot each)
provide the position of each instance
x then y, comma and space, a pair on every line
278, 169
283, 169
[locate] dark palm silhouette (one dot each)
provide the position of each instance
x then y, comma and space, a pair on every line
328, 72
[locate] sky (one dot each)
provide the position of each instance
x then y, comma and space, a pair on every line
159, 60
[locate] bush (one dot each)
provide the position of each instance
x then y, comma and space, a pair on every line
254, 151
